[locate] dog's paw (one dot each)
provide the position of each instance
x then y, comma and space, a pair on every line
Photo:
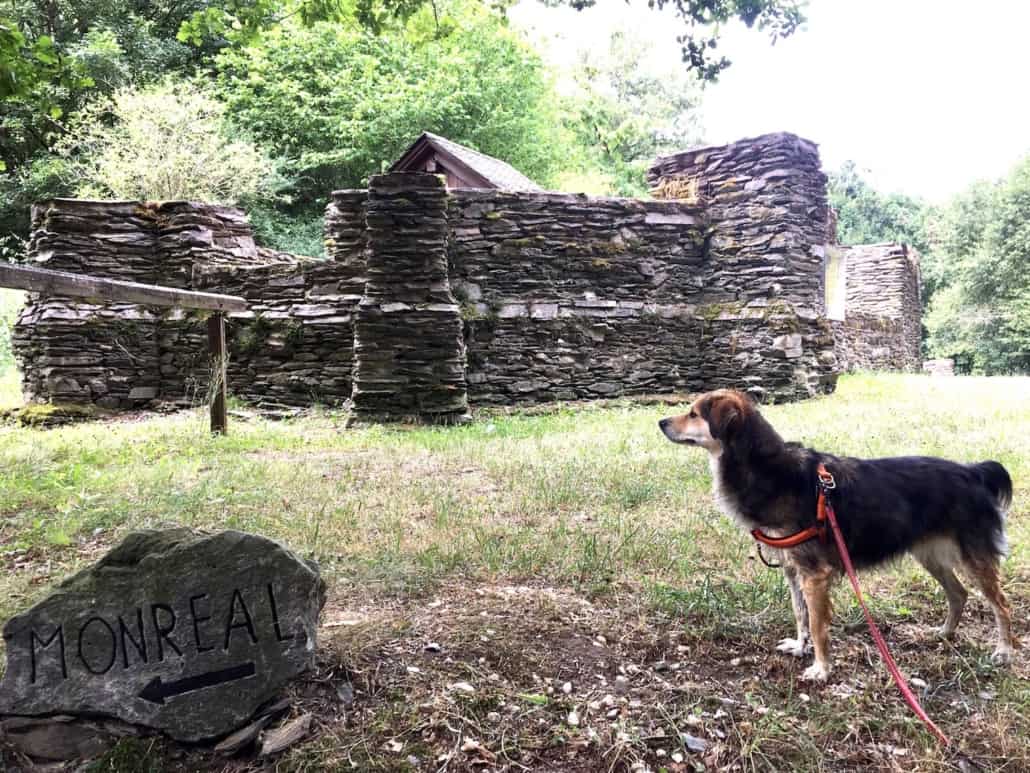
1002, 656
796, 647
944, 633
817, 672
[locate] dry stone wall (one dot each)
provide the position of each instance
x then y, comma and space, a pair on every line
111, 355
882, 327
431, 301
766, 200
292, 347
571, 297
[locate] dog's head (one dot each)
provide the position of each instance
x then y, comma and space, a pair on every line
712, 421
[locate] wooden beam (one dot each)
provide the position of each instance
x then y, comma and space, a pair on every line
219, 389
41, 280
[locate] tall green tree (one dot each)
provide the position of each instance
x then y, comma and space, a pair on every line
867, 216
56, 56
703, 20
982, 306
625, 113
338, 103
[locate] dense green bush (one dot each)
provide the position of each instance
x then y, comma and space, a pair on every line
164, 142
982, 308
300, 233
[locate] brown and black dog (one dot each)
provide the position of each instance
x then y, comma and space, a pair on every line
946, 515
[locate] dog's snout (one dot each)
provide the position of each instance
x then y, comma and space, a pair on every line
663, 424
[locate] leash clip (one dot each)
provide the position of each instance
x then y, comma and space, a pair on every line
826, 481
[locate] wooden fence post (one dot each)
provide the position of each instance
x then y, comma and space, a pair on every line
219, 388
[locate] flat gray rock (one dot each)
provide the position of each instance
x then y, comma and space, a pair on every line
183, 632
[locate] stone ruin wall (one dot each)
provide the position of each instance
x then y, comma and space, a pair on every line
519, 297
112, 355
882, 325
766, 201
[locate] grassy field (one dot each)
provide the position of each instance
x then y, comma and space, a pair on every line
572, 568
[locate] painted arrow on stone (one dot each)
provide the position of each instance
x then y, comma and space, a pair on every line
156, 690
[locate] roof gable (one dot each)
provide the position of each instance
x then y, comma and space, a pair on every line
478, 168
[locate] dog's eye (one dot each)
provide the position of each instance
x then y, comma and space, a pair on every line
692, 415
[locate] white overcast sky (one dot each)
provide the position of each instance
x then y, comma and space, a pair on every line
926, 95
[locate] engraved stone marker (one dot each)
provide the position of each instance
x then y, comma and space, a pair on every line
175, 630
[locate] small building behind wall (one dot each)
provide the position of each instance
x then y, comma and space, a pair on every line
462, 166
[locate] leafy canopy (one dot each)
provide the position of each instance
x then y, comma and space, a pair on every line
338, 103
983, 307
703, 20
625, 113
867, 216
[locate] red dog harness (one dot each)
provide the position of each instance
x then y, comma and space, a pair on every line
826, 483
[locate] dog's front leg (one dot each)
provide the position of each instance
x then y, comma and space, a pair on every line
802, 645
816, 589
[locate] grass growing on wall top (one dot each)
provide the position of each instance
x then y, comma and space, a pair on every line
590, 507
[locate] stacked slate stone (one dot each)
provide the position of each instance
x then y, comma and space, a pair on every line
113, 239
74, 352
191, 234
294, 344
882, 320
345, 237
117, 356
766, 200
409, 356
943, 366
573, 297
869, 342
566, 247
776, 354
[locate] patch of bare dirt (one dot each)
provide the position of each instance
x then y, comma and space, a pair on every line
500, 677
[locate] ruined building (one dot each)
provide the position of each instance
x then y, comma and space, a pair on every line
433, 301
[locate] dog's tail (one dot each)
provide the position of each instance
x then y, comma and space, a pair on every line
996, 480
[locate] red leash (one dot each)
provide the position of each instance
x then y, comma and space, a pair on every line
826, 483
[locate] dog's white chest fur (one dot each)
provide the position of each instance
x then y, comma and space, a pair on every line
725, 501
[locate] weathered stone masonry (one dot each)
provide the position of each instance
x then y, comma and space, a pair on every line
431, 302
882, 327
110, 354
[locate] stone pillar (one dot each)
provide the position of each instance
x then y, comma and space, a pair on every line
345, 237
190, 234
883, 306
409, 355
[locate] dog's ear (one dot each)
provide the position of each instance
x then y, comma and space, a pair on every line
726, 414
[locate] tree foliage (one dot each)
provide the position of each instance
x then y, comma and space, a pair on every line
624, 114
867, 216
91, 49
703, 20
166, 142
338, 103
982, 306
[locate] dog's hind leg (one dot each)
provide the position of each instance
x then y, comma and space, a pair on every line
939, 557
816, 589
985, 572
803, 643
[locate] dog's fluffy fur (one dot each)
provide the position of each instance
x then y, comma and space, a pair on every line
947, 515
